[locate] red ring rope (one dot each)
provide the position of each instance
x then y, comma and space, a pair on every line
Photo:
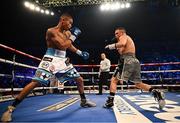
17, 51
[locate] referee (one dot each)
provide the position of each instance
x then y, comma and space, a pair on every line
104, 70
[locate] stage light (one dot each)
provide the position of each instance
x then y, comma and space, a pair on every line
52, 13
114, 6
37, 9
47, 12
27, 4
127, 5
102, 7
117, 5
107, 6
42, 11
37, 1
122, 6
32, 6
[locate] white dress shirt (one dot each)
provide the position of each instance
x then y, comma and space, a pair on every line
105, 65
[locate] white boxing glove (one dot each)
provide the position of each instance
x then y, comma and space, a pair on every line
111, 46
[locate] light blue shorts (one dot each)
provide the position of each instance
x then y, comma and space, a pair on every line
54, 64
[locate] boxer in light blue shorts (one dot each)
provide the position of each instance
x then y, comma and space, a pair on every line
58, 39
54, 63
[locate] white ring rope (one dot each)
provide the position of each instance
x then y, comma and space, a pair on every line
29, 77
17, 64
91, 73
17, 76
89, 86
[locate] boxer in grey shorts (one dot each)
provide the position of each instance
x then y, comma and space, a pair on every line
128, 68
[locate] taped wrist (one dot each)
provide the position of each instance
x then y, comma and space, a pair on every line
72, 38
79, 52
112, 46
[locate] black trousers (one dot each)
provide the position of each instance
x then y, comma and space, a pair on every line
104, 76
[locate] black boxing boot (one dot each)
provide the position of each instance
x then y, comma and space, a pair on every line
109, 102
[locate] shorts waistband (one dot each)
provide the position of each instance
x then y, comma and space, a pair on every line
56, 52
128, 55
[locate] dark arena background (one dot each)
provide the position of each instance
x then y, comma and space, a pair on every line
154, 26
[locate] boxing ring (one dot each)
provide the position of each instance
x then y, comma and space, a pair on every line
62, 105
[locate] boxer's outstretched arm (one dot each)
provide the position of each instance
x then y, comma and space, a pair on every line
83, 54
72, 48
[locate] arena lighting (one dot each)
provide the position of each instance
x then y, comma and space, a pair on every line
47, 12
32, 6
59, 3
37, 1
35, 7
114, 6
128, 5
52, 13
27, 4
42, 11
123, 6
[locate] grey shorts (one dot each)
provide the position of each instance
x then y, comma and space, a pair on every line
128, 69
